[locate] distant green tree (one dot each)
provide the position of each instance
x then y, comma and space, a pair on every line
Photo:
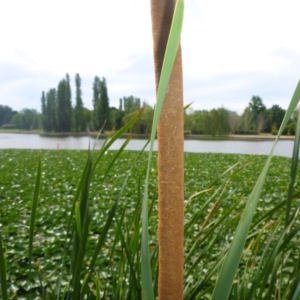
96, 103
144, 123
258, 110
26, 119
275, 115
195, 123
69, 101
64, 107
79, 122
208, 127
247, 121
36, 122
234, 121
51, 110
220, 118
188, 123
131, 104
116, 117
69, 93
104, 101
113, 116
17, 120
6, 114
45, 117
199, 124
213, 122
146, 119
101, 104
88, 117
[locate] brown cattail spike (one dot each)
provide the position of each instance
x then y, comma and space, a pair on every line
170, 160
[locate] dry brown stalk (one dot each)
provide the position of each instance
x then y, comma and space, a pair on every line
170, 160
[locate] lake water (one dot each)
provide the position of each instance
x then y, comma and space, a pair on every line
33, 141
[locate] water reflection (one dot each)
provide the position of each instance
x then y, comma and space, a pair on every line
33, 141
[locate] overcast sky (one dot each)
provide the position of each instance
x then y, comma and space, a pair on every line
231, 50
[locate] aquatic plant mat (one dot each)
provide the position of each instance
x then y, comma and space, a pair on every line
217, 187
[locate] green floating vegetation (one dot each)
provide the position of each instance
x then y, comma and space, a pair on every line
215, 196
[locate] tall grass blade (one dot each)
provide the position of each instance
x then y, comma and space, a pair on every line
188, 106
116, 157
80, 240
117, 135
104, 232
270, 260
98, 295
78, 192
170, 55
228, 270
294, 292
78, 221
293, 172
133, 270
3, 271
272, 284
70, 234
296, 295
81, 196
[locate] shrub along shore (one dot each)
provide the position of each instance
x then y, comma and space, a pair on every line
213, 203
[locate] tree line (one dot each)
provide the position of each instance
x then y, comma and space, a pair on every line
58, 114
255, 119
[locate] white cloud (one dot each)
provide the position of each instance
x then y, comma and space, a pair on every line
231, 50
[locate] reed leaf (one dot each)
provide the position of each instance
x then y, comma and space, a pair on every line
228, 270
80, 241
294, 292
116, 135
97, 283
294, 165
78, 221
106, 227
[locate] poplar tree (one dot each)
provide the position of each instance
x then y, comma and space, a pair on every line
45, 120
101, 104
69, 94
69, 100
96, 103
79, 121
104, 105
51, 110
64, 107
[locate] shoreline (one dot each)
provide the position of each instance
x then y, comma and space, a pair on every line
231, 137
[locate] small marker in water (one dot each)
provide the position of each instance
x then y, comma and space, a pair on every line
57, 146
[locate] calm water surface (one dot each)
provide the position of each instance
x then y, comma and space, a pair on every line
33, 141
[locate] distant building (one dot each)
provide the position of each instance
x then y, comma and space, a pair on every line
190, 111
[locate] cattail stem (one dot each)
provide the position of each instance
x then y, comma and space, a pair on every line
170, 160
